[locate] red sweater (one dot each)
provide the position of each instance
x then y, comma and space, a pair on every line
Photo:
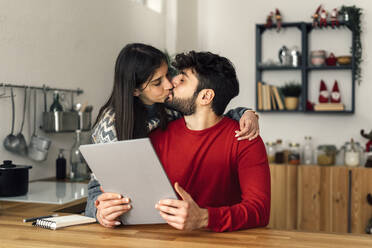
228, 177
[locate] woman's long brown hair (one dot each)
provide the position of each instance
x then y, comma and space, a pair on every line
135, 65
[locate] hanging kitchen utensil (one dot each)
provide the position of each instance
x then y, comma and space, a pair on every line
11, 141
45, 98
72, 101
77, 106
21, 147
3, 95
38, 148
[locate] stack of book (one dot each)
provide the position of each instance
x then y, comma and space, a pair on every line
269, 97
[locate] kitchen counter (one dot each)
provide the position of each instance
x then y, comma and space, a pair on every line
15, 233
52, 192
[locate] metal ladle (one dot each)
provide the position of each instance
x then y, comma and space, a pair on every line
21, 148
77, 106
11, 141
39, 146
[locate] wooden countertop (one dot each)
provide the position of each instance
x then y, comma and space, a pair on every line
15, 233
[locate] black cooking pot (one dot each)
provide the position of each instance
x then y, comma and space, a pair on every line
13, 179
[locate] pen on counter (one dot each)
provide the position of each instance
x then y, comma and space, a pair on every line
39, 217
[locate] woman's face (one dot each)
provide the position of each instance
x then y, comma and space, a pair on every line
157, 89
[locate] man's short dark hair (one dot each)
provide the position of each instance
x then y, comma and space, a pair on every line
213, 72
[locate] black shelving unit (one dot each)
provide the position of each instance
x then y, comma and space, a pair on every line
305, 28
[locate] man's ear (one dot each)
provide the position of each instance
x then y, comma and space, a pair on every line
207, 96
136, 92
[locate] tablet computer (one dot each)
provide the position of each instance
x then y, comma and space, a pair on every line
131, 168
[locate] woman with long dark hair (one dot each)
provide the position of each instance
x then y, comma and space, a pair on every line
135, 108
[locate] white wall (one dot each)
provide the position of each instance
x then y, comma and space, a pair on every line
66, 44
181, 25
188, 21
228, 27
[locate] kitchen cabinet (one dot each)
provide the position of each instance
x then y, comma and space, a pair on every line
361, 186
320, 198
283, 212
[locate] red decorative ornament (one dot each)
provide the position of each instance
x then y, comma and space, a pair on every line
323, 18
315, 17
269, 20
309, 105
278, 18
323, 93
335, 96
331, 60
334, 18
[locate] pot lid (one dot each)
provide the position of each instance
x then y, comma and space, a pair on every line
8, 165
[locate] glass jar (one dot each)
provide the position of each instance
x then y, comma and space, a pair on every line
294, 154
352, 153
326, 154
270, 146
279, 152
317, 57
308, 151
79, 170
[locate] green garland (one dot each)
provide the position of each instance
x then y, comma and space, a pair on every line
355, 24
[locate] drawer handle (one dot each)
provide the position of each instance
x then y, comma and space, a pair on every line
369, 198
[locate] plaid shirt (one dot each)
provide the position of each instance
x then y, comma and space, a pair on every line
105, 132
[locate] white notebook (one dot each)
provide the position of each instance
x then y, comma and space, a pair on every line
63, 221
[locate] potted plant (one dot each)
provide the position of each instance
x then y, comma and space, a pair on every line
291, 92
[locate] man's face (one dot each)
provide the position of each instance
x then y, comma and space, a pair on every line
183, 96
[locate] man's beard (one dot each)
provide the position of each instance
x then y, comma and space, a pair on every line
185, 106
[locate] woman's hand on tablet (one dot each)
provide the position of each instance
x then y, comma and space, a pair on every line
110, 206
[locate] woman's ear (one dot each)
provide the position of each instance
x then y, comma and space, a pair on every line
207, 96
136, 92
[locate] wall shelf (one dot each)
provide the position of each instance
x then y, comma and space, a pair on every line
346, 112
281, 111
277, 68
336, 67
305, 69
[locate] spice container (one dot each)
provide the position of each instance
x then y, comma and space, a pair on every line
352, 153
61, 166
317, 58
326, 154
270, 146
294, 154
79, 169
308, 151
279, 152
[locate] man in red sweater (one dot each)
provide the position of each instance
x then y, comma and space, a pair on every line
224, 183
